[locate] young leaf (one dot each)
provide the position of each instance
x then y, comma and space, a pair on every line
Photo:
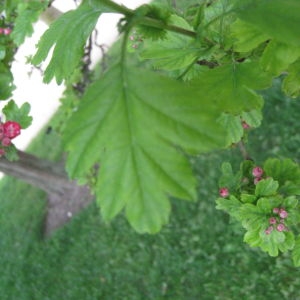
246, 37
175, 51
278, 56
253, 117
130, 122
13, 113
234, 128
272, 242
27, 13
68, 35
291, 83
231, 205
282, 170
278, 19
266, 187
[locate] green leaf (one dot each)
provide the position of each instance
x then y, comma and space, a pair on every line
234, 128
266, 204
133, 128
251, 216
253, 117
11, 153
266, 187
175, 51
232, 87
290, 188
68, 35
27, 13
248, 198
290, 203
277, 56
13, 113
282, 170
6, 85
271, 242
296, 252
246, 37
291, 83
231, 205
253, 237
277, 19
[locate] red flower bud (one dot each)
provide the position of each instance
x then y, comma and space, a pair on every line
11, 129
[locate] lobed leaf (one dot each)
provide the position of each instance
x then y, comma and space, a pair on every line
132, 123
266, 187
232, 87
68, 35
246, 37
291, 83
18, 114
277, 57
175, 51
27, 13
282, 170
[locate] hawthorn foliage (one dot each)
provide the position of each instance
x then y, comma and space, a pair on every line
186, 82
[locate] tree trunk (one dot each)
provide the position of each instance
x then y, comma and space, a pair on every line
65, 197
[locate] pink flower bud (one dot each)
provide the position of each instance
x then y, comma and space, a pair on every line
6, 141
256, 180
272, 220
257, 172
2, 152
283, 213
245, 125
269, 230
6, 31
11, 129
280, 227
224, 192
275, 210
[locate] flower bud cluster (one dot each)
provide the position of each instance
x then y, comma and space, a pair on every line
277, 222
5, 31
8, 131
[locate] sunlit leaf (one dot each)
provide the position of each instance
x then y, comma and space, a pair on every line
132, 124
68, 35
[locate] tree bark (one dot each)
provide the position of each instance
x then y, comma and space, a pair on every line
65, 197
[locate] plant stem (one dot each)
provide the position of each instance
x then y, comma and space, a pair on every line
148, 21
244, 151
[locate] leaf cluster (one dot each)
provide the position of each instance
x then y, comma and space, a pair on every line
253, 204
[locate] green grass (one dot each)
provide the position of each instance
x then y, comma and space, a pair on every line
198, 255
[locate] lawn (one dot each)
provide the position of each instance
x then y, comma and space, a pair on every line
200, 254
